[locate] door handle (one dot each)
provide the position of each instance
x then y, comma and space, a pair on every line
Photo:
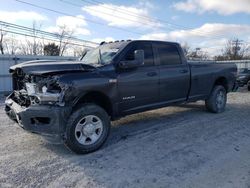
151, 74
183, 71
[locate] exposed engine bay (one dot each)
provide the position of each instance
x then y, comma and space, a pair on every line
37, 89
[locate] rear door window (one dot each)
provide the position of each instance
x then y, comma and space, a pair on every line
168, 54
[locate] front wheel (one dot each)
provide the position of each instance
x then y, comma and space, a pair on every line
217, 100
87, 129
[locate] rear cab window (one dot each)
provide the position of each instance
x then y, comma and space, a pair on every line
168, 54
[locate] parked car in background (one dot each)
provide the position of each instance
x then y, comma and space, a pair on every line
248, 86
75, 101
243, 77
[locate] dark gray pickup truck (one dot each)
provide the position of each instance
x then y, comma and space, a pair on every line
75, 101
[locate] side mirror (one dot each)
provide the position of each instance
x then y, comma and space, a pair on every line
139, 56
138, 61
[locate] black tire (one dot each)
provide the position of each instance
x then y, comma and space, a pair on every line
85, 111
248, 86
217, 100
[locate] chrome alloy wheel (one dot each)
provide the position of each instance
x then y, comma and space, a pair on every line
88, 130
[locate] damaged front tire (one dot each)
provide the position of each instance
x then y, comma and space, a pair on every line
87, 129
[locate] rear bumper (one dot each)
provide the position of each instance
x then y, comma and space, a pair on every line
42, 119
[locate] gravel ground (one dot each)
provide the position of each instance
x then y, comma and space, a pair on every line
181, 146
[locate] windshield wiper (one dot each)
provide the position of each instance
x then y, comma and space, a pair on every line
82, 56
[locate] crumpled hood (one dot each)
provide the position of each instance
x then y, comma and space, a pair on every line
40, 67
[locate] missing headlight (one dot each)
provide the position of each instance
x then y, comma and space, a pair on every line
30, 88
46, 91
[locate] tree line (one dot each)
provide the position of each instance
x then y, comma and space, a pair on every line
234, 49
34, 44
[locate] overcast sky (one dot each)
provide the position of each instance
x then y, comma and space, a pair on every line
201, 23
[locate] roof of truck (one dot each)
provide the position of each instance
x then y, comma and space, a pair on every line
129, 41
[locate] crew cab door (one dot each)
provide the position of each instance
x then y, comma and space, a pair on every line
174, 79
138, 87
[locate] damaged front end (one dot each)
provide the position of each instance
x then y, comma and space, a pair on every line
45, 91
37, 89
37, 103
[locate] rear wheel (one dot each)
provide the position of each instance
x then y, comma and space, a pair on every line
248, 86
87, 129
217, 100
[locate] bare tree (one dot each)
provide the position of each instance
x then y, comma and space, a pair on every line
186, 49
24, 47
79, 51
32, 45
11, 45
194, 54
234, 50
36, 46
2, 34
198, 54
64, 35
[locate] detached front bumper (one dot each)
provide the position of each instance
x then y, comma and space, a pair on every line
42, 119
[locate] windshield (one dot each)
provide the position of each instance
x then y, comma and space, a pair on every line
101, 55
